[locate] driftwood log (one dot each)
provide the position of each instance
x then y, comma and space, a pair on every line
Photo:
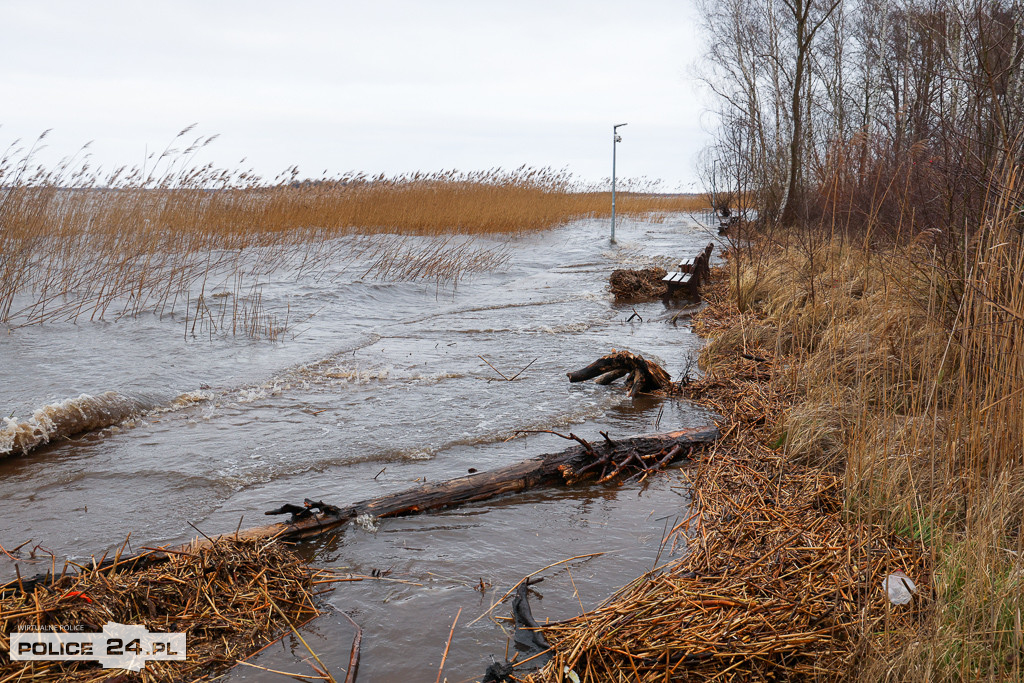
641, 375
602, 461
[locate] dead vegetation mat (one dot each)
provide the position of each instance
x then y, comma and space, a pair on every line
230, 599
776, 582
637, 285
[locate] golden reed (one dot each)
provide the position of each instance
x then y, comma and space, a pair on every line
80, 246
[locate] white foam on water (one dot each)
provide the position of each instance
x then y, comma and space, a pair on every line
251, 394
359, 376
435, 378
368, 523
419, 454
336, 373
183, 401
568, 328
64, 419
595, 296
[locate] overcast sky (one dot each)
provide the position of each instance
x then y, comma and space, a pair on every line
375, 85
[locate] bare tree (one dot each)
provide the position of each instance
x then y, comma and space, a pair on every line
888, 113
804, 18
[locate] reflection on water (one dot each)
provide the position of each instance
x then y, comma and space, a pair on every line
385, 386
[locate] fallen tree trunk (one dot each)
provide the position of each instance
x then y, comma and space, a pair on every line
643, 375
603, 461
565, 468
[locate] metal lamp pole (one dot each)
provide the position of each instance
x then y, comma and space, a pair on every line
616, 139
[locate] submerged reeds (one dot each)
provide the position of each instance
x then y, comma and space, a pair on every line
78, 245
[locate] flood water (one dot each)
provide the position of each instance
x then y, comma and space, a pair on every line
380, 387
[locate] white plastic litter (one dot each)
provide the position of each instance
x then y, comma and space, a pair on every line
900, 588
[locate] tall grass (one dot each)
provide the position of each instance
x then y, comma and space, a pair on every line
909, 360
79, 245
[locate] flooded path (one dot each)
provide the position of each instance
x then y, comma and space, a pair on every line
381, 387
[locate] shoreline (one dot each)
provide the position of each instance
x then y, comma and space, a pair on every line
780, 580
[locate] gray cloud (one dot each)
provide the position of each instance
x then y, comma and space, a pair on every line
388, 86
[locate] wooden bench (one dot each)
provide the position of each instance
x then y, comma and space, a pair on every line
682, 276
725, 224
692, 272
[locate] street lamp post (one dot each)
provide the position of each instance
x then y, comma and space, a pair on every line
616, 139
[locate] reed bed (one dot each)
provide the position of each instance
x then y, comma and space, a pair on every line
80, 245
230, 599
907, 365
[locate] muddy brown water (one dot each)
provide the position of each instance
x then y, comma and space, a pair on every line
382, 388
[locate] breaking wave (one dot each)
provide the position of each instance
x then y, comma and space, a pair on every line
67, 418
183, 401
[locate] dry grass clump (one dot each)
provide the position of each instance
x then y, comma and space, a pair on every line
732, 341
80, 245
813, 433
224, 597
908, 367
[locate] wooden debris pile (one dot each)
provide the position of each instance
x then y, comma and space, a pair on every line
638, 285
776, 583
642, 376
229, 599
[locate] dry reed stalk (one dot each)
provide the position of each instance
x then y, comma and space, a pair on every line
447, 645
230, 600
